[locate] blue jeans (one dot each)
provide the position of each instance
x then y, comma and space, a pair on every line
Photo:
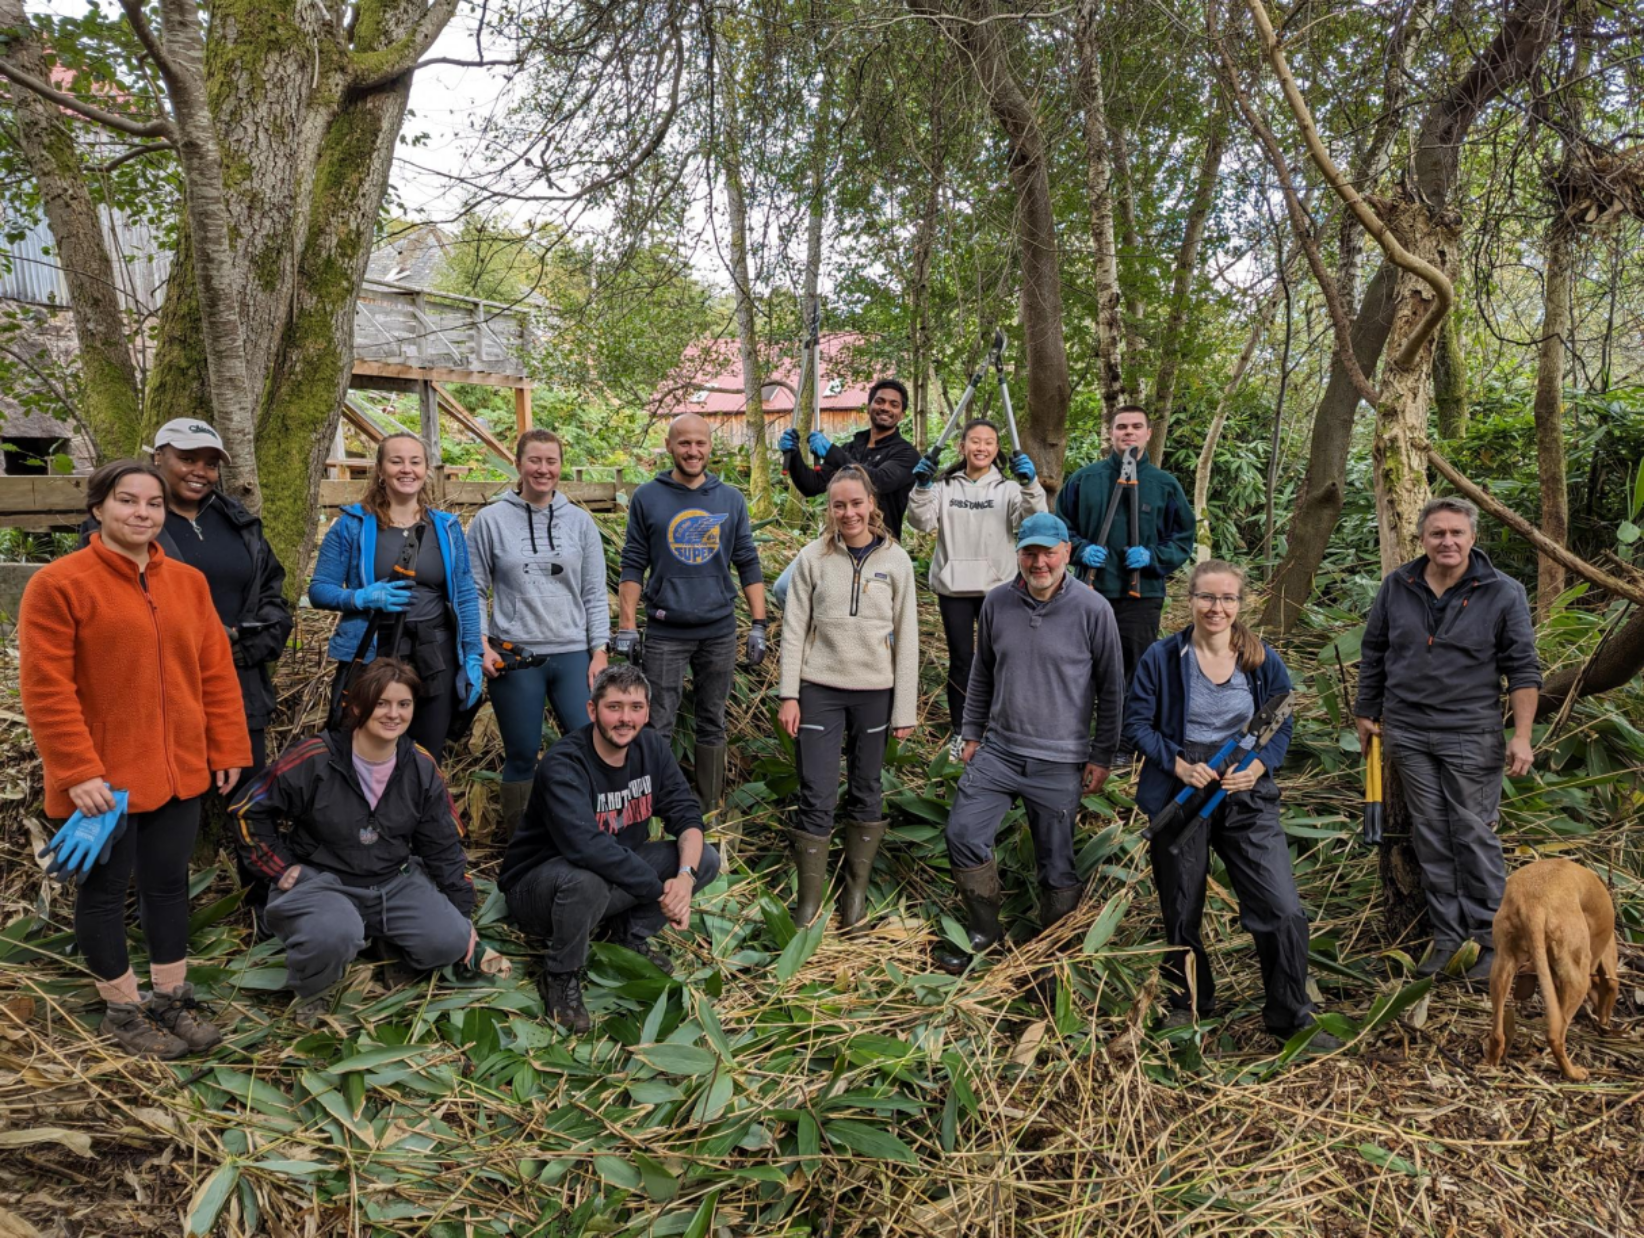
779, 590
520, 699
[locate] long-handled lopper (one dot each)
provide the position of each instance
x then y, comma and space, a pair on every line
1372, 792
1004, 396
1197, 803
934, 455
1127, 478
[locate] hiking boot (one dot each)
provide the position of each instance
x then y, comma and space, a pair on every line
514, 797
180, 1014
810, 858
642, 946
562, 1000
1054, 904
1322, 1042
1179, 1016
710, 775
1436, 959
862, 839
308, 1011
956, 750
1479, 972
135, 1031
981, 893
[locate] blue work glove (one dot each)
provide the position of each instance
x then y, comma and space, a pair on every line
390, 595
924, 473
756, 642
1023, 468
1093, 555
84, 841
1138, 556
474, 667
820, 446
789, 441
625, 644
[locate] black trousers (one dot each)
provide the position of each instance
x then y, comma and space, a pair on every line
558, 901
156, 847
959, 617
436, 704
1245, 832
254, 885
1138, 620
831, 720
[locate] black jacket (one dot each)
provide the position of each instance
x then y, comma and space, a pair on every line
1446, 676
312, 786
263, 620
561, 820
889, 465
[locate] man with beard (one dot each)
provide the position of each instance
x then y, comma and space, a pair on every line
582, 857
686, 530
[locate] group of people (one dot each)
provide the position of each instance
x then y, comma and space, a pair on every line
1056, 676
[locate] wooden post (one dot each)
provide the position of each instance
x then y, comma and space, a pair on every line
429, 424
522, 408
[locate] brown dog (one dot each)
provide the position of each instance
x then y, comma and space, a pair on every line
1556, 919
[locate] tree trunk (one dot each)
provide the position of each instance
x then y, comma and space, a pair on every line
109, 405
1181, 293
1110, 340
1450, 380
760, 503
806, 410
1551, 470
1132, 237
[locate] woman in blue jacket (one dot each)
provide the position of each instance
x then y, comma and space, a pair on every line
440, 635
1192, 692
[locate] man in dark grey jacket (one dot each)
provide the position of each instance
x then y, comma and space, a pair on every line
1048, 665
1443, 634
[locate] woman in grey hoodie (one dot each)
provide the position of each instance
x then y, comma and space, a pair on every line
539, 564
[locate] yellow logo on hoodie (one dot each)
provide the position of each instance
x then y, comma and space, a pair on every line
693, 535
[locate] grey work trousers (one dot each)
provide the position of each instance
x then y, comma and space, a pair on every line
712, 664
325, 924
1049, 790
564, 904
834, 720
1452, 788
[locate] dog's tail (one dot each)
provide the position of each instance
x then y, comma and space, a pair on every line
1544, 970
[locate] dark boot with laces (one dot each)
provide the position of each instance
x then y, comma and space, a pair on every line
135, 1031
646, 950
180, 1014
562, 998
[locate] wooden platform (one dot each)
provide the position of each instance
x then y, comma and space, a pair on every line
46, 504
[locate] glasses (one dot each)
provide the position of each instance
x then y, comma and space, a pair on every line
1227, 601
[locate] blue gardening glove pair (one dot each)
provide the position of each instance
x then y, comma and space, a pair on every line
756, 642
1023, 468
392, 596
85, 842
789, 441
1093, 555
474, 668
924, 473
1138, 556
820, 444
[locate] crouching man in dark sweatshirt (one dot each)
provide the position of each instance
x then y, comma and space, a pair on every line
1048, 665
582, 856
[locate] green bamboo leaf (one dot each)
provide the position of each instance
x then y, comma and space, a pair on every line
1390, 1006
617, 1172
208, 1201
677, 1059
1383, 1159
1107, 923
704, 1218
1638, 493
659, 1184
799, 950
372, 1058
296, 1169
713, 1100
865, 1140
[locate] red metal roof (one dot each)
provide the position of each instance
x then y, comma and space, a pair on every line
709, 379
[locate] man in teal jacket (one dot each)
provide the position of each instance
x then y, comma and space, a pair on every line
1161, 542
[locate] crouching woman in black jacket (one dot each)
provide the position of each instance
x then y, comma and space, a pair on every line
373, 847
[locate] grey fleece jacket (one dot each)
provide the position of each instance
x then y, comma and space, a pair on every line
1042, 670
1446, 676
542, 571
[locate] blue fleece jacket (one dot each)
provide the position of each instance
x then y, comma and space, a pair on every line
346, 562
1156, 715
688, 540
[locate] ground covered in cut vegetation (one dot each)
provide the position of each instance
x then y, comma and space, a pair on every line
802, 1083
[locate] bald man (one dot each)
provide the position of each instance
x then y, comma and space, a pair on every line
686, 529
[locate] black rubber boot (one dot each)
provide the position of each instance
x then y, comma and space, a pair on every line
810, 858
981, 893
862, 839
515, 796
1054, 903
710, 775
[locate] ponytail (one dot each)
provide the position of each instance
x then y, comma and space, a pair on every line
1248, 649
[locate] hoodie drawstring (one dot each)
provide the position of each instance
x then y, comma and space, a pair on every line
550, 527
531, 524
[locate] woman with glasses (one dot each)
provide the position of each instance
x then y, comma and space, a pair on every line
1191, 693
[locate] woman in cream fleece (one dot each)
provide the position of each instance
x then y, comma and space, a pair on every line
974, 510
850, 674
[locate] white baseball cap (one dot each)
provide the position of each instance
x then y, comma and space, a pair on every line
189, 434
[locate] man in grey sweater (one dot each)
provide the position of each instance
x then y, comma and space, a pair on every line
1042, 717
1444, 632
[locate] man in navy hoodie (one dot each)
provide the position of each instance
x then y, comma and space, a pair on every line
686, 529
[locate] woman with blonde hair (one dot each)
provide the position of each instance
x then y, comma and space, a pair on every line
392, 554
850, 674
1190, 694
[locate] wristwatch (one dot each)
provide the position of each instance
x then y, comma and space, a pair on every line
685, 870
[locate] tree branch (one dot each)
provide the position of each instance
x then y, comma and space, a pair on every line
138, 21
112, 120
136, 152
369, 70
1443, 293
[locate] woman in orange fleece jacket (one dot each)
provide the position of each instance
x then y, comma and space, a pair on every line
129, 684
